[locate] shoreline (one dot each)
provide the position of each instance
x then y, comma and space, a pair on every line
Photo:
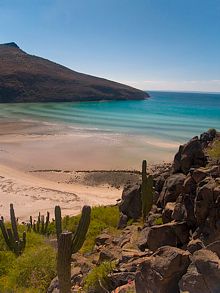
92, 168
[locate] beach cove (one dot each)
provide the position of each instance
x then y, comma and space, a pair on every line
45, 148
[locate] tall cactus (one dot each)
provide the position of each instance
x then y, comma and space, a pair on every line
146, 191
11, 236
58, 221
69, 244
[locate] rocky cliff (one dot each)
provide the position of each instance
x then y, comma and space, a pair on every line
27, 78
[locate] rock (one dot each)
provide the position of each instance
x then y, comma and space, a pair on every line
199, 174
120, 279
205, 200
173, 234
189, 185
172, 188
152, 218
207, 136
193, 281
179, 212
206, 273
189, 155
102, 239
194, 245
106, 255
122, 221
214, 247
131, 202
130, 287
167, 212
161, 272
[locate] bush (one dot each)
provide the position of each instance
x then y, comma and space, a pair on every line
30, 272
214, 151
98, 277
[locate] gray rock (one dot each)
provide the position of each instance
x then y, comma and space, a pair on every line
131, 202
172, 188
161, 272
173, 234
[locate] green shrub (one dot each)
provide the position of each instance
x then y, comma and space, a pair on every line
102, 217
32, 271
214, 151
98, 277
158, 221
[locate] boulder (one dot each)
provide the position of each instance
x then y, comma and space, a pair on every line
167, 212
189, 185
189, 155
214, 247
161, 272
172, 188
194, 245
102, 239
123, 220
131, 202
205, 200
179, 211
173, 234
193, 281
204, 274
207, 136
106, 255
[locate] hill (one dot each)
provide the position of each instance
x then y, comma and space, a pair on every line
28, 78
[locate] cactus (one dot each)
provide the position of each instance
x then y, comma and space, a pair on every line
11, 236
69, 244
41, 225
146, 191
58, 221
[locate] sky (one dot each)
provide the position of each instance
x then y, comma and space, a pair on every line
148, 44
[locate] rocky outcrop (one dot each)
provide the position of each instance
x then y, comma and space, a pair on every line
203, 275
177, 249
161, 272
189, 155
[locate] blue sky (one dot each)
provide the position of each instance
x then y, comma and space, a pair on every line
149, 44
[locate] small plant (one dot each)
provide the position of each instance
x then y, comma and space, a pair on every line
146, 191
98, 278
68, 244
214, 151
11, 236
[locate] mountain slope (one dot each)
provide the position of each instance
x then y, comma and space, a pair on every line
27, 78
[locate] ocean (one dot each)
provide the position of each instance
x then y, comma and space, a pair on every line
159, 123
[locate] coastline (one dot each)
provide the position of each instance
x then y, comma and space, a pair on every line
43, 165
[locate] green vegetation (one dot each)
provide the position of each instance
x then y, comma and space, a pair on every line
30, 272
98, 277
102, 217
36, 267
158, 221
214, 151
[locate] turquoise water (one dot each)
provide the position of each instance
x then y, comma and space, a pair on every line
166, 115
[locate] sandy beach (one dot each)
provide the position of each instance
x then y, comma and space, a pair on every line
43, 165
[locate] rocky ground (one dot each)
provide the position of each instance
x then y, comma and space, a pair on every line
177, 249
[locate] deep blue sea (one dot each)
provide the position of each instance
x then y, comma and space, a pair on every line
169, 116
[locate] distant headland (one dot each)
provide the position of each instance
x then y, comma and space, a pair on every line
28, 78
